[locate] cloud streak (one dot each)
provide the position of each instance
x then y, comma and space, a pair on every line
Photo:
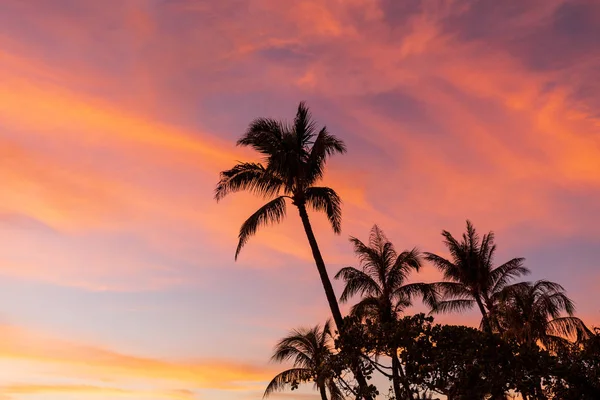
99, 365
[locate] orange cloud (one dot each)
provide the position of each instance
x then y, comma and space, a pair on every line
101, 365
94, 392
63, 184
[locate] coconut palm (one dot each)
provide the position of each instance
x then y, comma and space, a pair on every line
310, 351
470, 276
382, 284
294, 158
533, 313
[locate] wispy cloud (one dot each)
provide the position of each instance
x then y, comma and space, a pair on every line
99, 365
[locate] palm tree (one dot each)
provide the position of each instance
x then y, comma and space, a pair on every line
294, 157
311, 352
532, 313
381, 283
470, 276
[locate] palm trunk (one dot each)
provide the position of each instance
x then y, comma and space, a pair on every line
331, 298
486, 322
493, 315
322, 390
396, 376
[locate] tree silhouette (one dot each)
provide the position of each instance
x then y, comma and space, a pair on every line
294, 158
470, 276
532, 313
311, 352
382, 284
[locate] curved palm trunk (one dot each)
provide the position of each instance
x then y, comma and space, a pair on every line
486, 322
331, 298
493, 315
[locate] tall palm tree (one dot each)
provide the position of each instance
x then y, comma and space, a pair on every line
294, 158
381, 283
470, 276
311, 352
533, 313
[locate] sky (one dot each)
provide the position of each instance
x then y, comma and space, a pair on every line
117, 272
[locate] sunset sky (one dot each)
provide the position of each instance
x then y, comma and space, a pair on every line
117, 272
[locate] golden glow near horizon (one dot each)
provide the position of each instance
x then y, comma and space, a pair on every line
118, 279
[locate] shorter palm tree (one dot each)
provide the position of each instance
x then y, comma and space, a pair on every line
470, 276
382, 279
382, 284
311, 353
533, 313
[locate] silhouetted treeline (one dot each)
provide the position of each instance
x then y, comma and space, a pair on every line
529, 342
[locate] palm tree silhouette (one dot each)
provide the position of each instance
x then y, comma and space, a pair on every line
311, 352
294, 158
532, 313
294, 161
381, 282
470, 276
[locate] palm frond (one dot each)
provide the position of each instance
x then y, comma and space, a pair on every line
445, 266
426, 291
304, 125
458, 305
368, 255
554, 343
410, 259
405, 263
367, 307
327, 200
253, 177
458, 251
264, 135
287, 377
545, 286
554, 304
298, 352
271, 213
487, 248
512, 291
357, 282
502, 275
377, 238
471, 238
550, 299
303, 346
326, 334
325, 145
566, 327
452, 290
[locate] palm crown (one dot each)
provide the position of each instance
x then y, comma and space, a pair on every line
294, 157
470, 276
381, 281
532, 312
310, 351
